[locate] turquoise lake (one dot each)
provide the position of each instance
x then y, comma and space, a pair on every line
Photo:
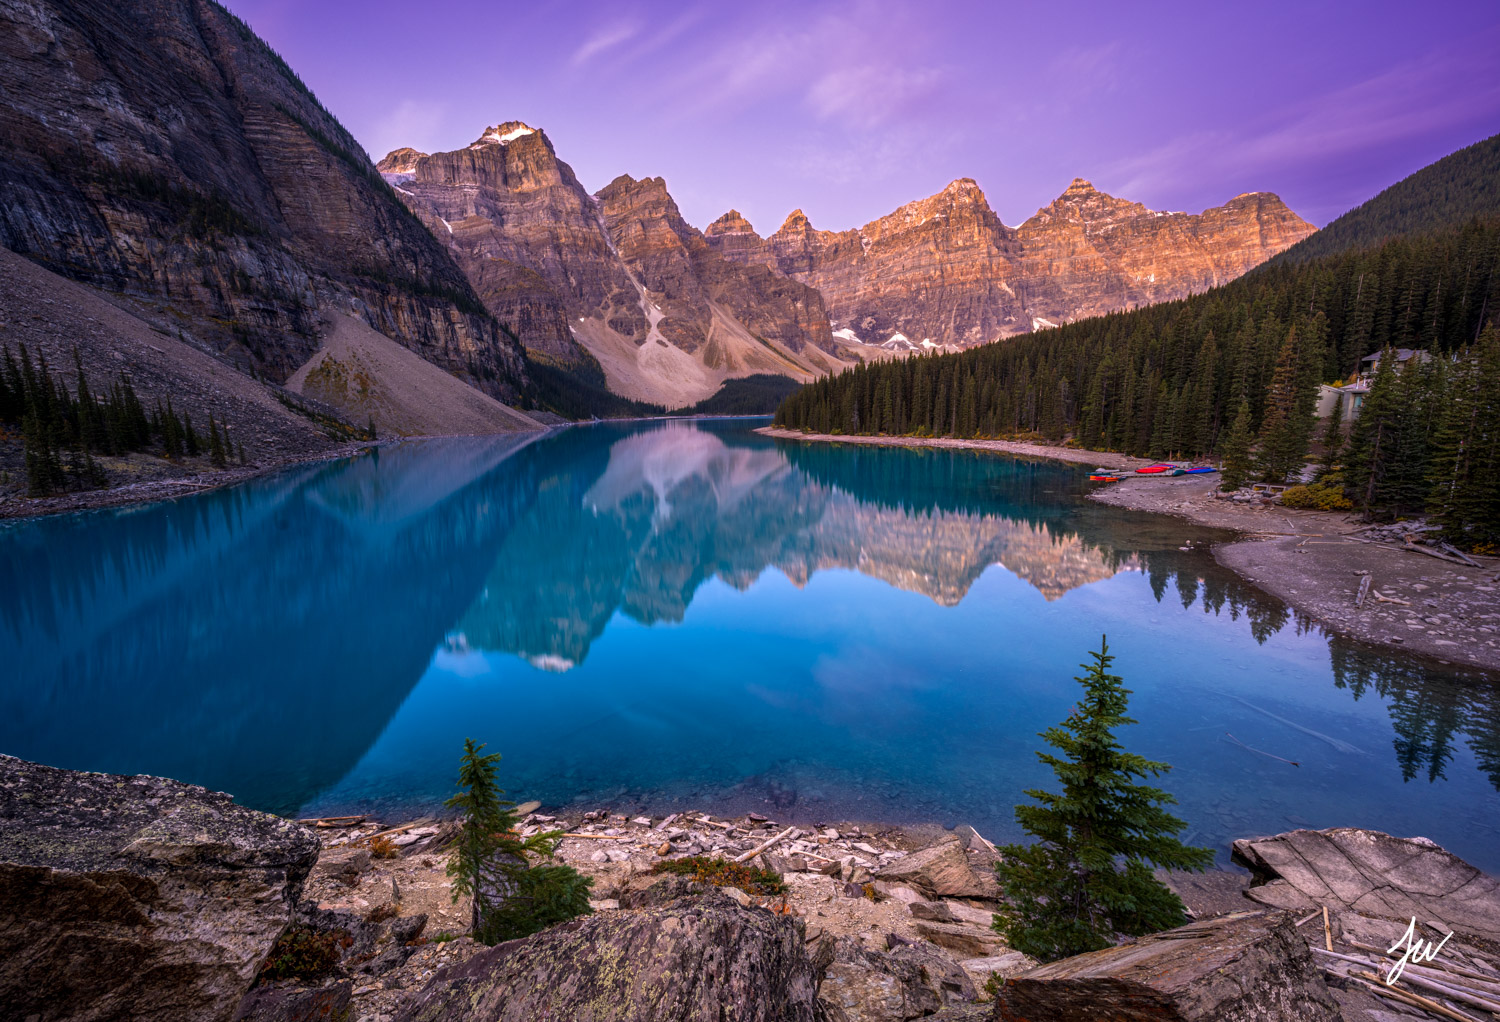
685, 614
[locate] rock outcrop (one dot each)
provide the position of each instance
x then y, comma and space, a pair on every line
617, 281
136, 897
910, 981
941, 871
694, 957
1249, 967
159, 149
1373, 874
945, 271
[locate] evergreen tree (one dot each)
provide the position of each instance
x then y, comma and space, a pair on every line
1236, 450
1373, 438
491, 865
1333, 435
1089, 875
1287, 424
216, 454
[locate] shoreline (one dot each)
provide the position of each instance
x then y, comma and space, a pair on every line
15, 509
1313, 561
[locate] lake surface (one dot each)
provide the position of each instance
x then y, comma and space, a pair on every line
672, 615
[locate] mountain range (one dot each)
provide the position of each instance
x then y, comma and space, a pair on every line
669, 312
161, 155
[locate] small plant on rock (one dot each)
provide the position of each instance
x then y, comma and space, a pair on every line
724, 873
383, 848
304, 953
513, 895
1089, 877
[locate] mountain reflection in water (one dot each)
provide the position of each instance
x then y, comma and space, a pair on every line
595, 603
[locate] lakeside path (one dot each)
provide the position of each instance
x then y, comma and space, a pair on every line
1313, 561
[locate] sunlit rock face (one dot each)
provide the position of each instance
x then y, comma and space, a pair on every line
616, 280
945, 271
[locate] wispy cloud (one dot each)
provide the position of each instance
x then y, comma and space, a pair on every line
605, 39
1422, 96
868, 95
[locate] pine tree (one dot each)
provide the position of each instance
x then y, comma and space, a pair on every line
1373, 437
491, 865
1333, 435
1089, 875
1236, 450
215, 445
1287, 425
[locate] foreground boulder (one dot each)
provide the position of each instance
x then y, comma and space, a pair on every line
1373, 874
909, 981
698, 956
136, 897
1245, 967
941, 871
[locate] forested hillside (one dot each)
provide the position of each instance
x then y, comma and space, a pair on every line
1233, 369
1446, 194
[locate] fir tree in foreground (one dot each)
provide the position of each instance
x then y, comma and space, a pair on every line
512, 897
1089, 876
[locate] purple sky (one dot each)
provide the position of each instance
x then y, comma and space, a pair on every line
847, 110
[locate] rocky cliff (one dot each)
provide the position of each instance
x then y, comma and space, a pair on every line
618, 279
159, 149
945, 271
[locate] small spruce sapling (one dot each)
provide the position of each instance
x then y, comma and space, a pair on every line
1088, 877
492, 865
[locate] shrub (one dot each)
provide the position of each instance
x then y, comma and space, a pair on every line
304, 953
724, 873
383, 848
1320, 496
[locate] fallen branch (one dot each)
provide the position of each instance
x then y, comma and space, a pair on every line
1421, 975
1412, 1000
336, 821
1391, 599
1327, 932
1433, 553
1442, 966
398, 830
752, 853
1242, 745
1450, 548
1307, 918
601, 837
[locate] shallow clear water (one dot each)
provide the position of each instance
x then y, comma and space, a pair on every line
672, 615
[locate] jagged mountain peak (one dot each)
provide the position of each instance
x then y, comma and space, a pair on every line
730, 223
400, 161
503, 134
796, 220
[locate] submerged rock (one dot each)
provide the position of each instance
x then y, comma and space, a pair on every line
137, 897
700, 956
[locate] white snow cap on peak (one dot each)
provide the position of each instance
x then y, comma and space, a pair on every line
504, 134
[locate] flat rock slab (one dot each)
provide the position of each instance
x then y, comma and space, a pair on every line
1245, 967
910, 981
690, 958
1374, 874
136, 897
